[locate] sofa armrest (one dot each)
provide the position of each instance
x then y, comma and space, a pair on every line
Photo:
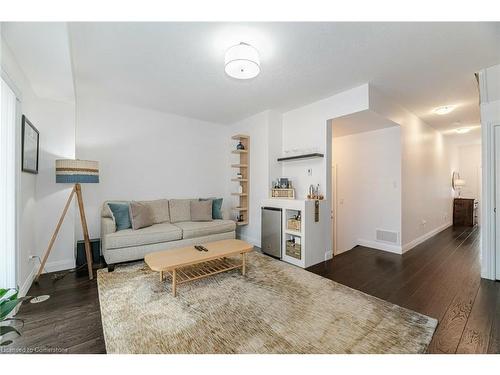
107, 226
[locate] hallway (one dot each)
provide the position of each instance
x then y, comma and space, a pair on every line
439, 278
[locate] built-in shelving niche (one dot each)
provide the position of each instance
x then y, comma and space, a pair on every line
242, 165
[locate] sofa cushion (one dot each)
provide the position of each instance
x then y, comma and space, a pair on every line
201, 210
180, 210
141, 215
106, 211
216, 207
160, 210
121, 215
193, 229
154, 234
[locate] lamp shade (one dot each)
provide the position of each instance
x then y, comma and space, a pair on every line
74, 171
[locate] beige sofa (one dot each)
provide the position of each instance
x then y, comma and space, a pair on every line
173, 228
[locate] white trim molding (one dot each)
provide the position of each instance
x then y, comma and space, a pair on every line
396, 249
490, 118
417, 241
488, 241
60, 265
25, 287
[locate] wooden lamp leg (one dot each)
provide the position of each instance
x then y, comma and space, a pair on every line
54, 235
88, 254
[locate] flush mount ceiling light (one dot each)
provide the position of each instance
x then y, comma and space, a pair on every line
462, 130
242, 61
444, 110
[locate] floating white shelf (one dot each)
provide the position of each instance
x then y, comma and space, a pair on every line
240, 137
293, 232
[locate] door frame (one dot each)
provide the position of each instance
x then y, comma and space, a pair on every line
335, 206
496, 181
18, 199
490, 252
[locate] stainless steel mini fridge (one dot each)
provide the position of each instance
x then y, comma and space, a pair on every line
271, 237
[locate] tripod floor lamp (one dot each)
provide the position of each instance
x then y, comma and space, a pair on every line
69, 171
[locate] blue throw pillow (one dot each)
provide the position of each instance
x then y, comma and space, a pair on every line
216, 207
121, 214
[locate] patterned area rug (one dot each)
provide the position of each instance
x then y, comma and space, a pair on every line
275, 308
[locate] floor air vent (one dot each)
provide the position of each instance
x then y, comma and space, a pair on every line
387, 236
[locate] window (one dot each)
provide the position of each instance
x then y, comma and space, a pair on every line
7, 186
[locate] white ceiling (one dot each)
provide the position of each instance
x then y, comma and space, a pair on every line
42, 51
359, 122
178, 67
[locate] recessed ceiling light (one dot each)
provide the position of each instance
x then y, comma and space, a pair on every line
444, 109
462, 130
242, 61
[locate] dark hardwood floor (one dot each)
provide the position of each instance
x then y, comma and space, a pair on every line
68, 322
439, 278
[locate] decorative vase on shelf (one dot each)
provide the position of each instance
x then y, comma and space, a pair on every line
240, 146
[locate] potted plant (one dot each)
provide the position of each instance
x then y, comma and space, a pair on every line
8, 302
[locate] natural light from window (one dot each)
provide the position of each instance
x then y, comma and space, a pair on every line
7, 186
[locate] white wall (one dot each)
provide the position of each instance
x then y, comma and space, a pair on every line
426, 173
27, 188
470, 170
306, 127
40, 200
145, 154
309, 127
56, 123
368, 187
275, 145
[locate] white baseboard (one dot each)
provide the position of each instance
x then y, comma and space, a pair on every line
380, 246
417, 241
60, 265
23, 289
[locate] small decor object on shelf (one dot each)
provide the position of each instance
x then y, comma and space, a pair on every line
239, 175
283, 193
314, 193
29, 146
284, 183
293, 249
294, 223
457, 183
240, 146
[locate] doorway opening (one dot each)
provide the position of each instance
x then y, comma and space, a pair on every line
366, 182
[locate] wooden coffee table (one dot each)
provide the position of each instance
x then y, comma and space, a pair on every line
187, 264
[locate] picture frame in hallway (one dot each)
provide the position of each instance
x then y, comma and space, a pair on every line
30, 142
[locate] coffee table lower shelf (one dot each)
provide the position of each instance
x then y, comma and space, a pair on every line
200, 270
